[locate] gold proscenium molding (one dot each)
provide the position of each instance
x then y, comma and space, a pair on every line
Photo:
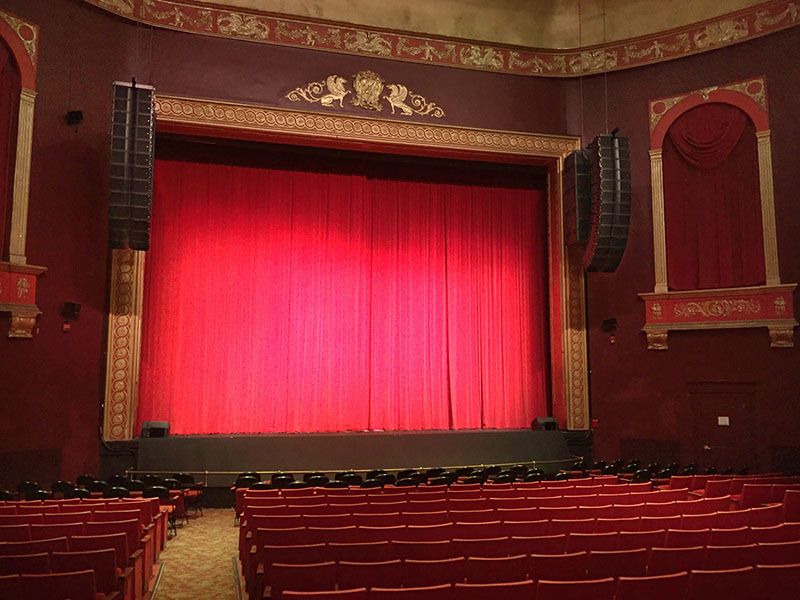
750, 96
124, 344
224, 119
365, 91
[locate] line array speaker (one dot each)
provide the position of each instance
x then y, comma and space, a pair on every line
577, 195
132, 138
609, 159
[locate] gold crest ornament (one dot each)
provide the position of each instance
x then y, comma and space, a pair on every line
368, 86
368, 90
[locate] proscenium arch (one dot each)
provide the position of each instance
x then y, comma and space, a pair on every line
208, 118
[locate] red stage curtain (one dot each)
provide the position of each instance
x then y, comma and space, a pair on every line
712, 200
9, 107
288, 299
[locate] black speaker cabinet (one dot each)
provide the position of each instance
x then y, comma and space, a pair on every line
154, 429
610, 167
544, 424
577, 194
132, 138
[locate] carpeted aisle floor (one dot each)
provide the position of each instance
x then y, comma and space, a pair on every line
198, 562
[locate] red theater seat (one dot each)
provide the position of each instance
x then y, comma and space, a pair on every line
496, 570
25, 563
730, 584
34, 546
422, 573
434, 592
663, 561
617, 563
543, 544
422, 550
656, 587
486, 547
563, 567
778, 582
356, 594
370, 574
517, 590
361, 552
595, 589
102, 562
778, 553
630, 540
302, 578
73, 586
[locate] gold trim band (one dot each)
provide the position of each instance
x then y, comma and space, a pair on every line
22, 177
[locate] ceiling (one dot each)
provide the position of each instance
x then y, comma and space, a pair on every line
543, 24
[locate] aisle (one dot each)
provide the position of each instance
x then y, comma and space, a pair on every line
198, 562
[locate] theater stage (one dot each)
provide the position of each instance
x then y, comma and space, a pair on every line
329, 452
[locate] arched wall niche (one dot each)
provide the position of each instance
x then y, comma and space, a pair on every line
17, 278
769, 305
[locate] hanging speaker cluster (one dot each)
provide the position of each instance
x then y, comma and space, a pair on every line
132, 138
597, 201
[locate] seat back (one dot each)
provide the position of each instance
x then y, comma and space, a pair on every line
102, 562
617, 563
78, 585
561, 567
116, 541
596, 589
434, 592
370, 574
356, 594
25, 563
778, 582
34, 546
664, 561
15, 533
302, 578
729, 583
653, 587
517, 590
422, 573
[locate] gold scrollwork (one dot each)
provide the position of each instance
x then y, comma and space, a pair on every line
721, 32
179, 18
593, 60
246, 26
668, 103
717, 308
28, 38
22, 323
537, 64
426, 50
780, 305
481, 56
367, 90
313, 92
657, 310
308, 35
23, 287
657, 49
781, 337
657, 339
124, 7
763, 18
759, 96
366, 41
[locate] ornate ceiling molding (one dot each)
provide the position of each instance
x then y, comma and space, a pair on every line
267, 28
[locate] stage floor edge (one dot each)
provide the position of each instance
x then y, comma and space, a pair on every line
330, 452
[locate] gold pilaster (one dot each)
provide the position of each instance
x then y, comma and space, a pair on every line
768, 207
124, 344
576, 368
659, 231
22, 177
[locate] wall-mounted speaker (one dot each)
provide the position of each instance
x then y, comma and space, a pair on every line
70, 310
577, 195
132, 140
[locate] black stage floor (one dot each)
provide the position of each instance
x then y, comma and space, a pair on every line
330, 452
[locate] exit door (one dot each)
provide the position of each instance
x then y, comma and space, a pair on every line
724, 424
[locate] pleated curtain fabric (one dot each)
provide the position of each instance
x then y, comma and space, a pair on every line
298, 295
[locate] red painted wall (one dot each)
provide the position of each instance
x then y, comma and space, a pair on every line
642, 394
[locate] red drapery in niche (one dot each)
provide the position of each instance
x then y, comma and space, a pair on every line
712, 200
9, 107
287, 299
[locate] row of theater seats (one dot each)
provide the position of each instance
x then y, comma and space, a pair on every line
118, 541
762, 582
769, 529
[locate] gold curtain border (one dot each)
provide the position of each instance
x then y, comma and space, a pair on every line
569, 367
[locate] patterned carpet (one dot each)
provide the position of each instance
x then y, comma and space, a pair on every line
198, 562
